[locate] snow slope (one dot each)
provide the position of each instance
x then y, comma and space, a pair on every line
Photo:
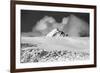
59, 43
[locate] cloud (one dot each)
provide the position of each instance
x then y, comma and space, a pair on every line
44, 22
44, 25
76, 27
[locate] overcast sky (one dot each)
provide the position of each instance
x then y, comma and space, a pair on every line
29, 18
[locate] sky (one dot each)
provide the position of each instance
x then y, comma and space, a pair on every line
31, 18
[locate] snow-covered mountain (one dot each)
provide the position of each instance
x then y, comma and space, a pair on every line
56, 33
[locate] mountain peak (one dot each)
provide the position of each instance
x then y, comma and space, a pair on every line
56, 33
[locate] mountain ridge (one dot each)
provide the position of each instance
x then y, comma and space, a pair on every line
56, 33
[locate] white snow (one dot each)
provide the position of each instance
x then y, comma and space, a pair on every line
50, 34
71, 43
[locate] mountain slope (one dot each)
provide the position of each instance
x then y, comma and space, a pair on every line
56, 33
48, 49
71, 43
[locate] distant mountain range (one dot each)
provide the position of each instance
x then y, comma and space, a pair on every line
56, 33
